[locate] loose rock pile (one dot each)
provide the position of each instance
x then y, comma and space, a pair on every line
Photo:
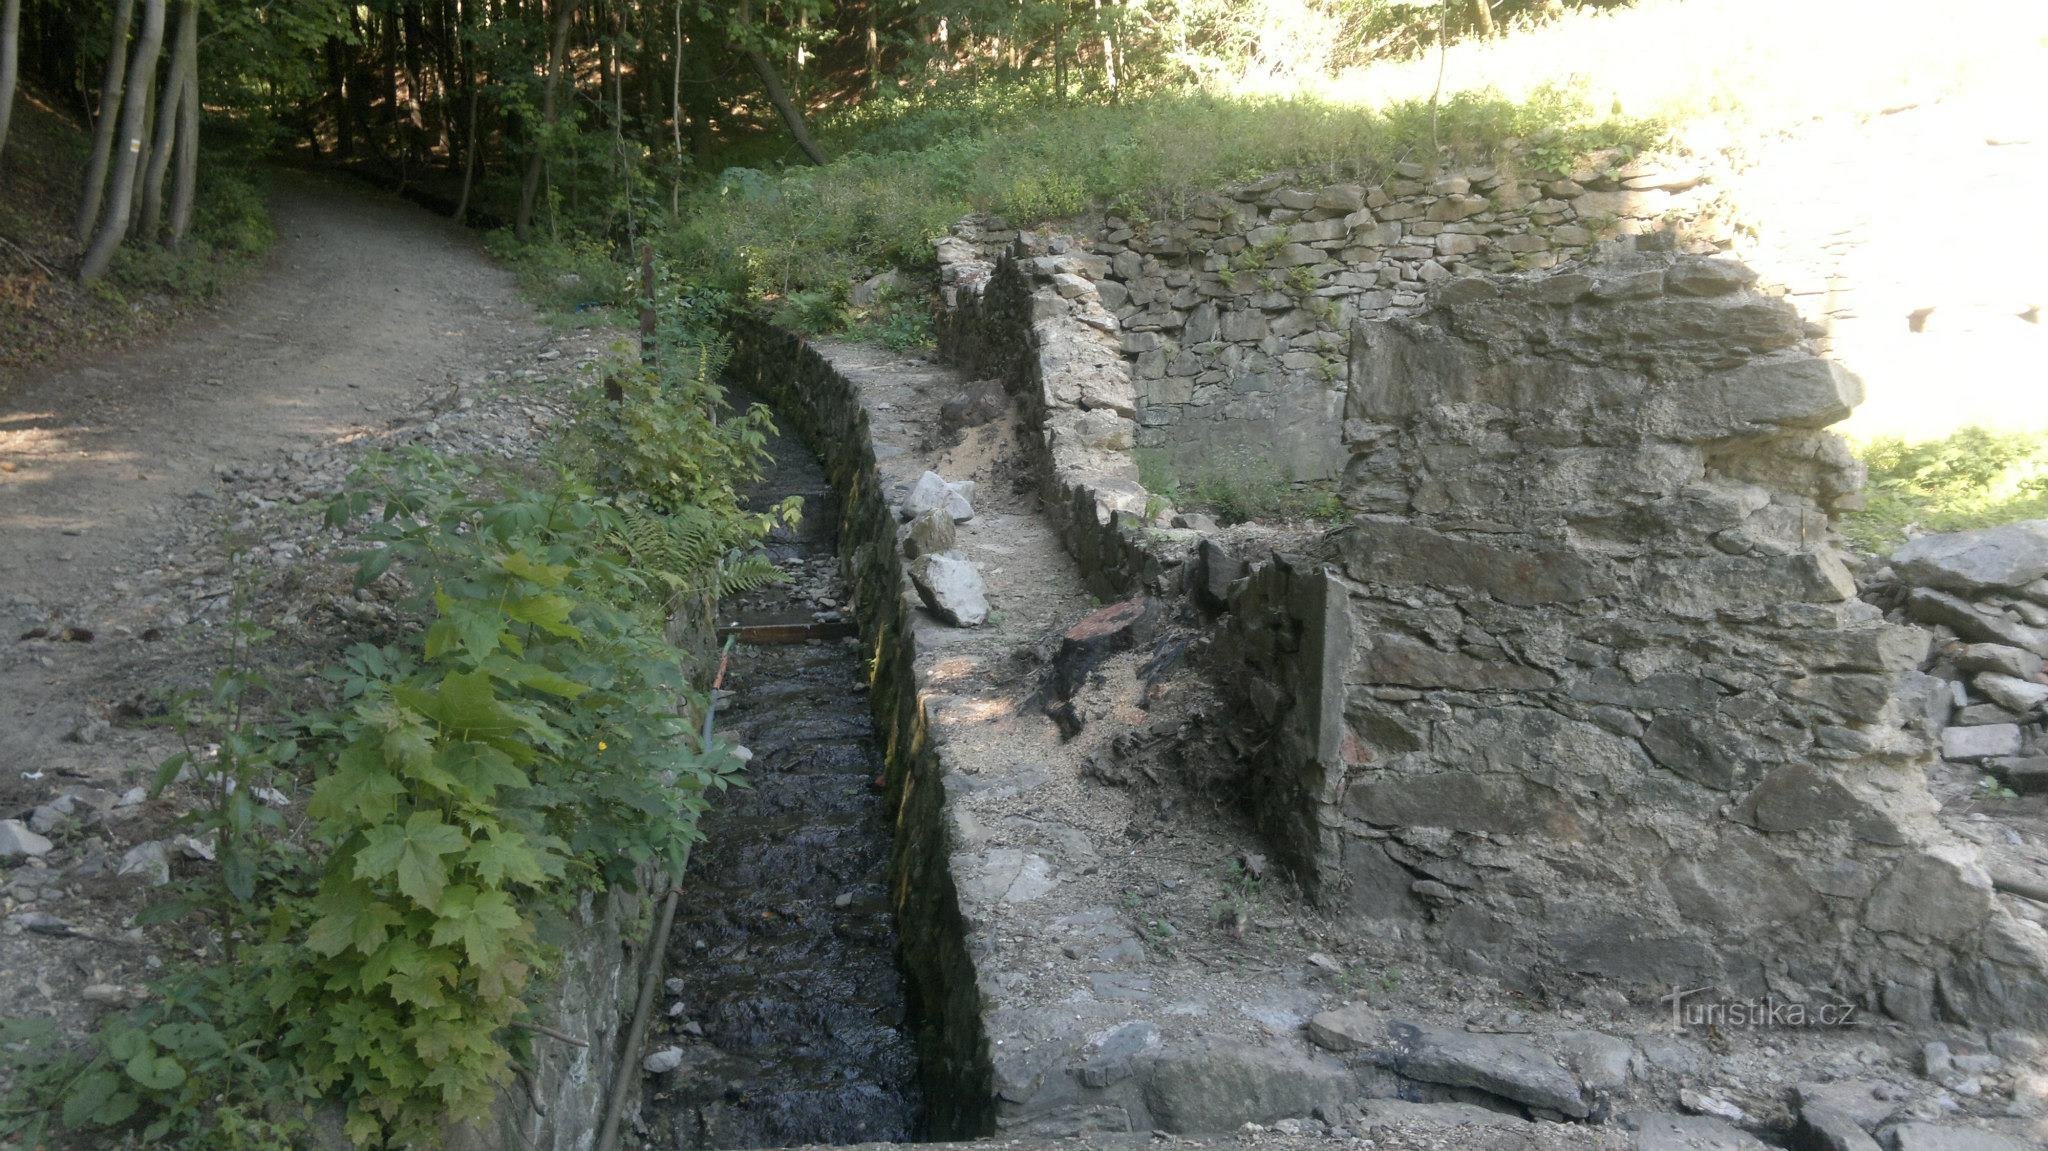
1985, 595
946, 580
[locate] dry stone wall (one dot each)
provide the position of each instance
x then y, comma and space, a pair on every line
1606, 702
1583, 689
1233, 313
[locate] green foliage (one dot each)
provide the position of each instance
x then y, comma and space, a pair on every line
1237, 487
799, 237
897, 318
231, 231
533, 739
1973, 478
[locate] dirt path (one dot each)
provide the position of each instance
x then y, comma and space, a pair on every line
111, 474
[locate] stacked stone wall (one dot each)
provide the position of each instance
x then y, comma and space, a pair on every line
1582, 689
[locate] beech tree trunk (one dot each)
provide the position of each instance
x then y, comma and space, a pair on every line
558, 51
134, 111
772, 85
10, 62
1482, 17
110, 118
169, 107
185, 188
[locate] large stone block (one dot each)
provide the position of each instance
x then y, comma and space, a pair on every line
2002, 557
1408, 554
1939, 894
1400, 659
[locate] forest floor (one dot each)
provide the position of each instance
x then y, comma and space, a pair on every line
150, 498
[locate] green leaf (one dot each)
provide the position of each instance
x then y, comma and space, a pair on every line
526, 568
550, 613
166, 772
350, 916
479, 770
156, 1072
545, 680
412, 853
361, 787
98, 1099
468, 706
506, 858
419, 978
372, 564
480, 921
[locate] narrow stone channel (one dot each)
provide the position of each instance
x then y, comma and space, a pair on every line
784, 994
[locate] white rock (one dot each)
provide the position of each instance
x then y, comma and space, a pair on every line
931, 492
1973, 743
18, 842
150, 862
193, 848
929, 533
2011, 692
951, 587
665, 1060
45, 819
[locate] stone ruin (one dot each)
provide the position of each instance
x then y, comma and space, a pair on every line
1583, 689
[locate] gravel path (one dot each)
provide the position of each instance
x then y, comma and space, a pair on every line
367, 302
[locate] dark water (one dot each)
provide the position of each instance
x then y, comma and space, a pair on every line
784, 948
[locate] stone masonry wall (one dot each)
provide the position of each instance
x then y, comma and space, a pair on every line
1606, 704
1582, 690
1233, 314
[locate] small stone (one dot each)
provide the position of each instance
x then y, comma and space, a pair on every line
1195, 521
1498, 1064
2000, 659
2007, 556
1700, 1103
193, 848
951, 587
2011, 692
18, 842
150, 862
133, 797
1693, 1133
1943, 1137
930, 533
663, 1061
931, 492
1347, 1028
873, 288
1970, 744
47, 817
843, 899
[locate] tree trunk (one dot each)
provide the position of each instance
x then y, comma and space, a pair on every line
110, 117
791, 118
169, 107
466, 68
558, 50
675, 118
874, 49
134, 109
1482, 17
186, 188
10, 62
